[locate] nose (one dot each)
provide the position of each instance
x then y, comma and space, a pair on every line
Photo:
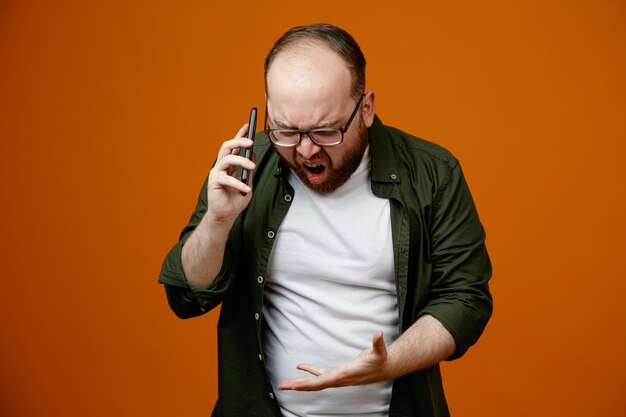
307, 148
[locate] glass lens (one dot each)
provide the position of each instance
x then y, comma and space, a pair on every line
287, 137
326, 136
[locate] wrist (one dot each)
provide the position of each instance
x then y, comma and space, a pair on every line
216, 226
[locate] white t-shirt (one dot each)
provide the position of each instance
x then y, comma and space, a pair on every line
330, 288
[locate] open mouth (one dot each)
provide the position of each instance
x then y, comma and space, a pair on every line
314, 168
315, 172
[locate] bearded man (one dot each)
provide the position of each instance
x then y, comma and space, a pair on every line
350, 267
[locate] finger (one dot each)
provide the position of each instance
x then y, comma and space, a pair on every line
233, 146
317, 383
228, 163
243, 132
307, 384
378, 343
311, 384
251, 171
289, 384
311, 369
228, 181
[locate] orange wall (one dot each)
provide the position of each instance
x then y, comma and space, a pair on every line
111, 115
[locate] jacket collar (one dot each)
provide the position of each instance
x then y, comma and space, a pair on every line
384, 164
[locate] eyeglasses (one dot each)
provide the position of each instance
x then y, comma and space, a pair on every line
322, 136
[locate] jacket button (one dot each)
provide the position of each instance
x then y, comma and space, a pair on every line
271, 234
259, 279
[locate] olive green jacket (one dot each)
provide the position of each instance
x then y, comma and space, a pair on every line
441, 268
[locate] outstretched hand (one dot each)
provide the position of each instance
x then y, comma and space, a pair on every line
371, 365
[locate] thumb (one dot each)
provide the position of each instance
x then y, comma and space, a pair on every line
378, 343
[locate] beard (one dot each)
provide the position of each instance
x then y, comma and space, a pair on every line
336, 176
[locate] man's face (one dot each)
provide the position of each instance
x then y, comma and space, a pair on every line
310, 87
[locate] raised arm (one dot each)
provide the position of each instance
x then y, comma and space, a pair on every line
192, 266
226, 197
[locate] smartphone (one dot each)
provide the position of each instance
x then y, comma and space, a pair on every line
245, 174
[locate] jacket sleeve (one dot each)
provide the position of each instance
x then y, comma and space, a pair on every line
185, 299
459, 294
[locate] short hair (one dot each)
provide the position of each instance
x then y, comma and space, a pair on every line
337, 39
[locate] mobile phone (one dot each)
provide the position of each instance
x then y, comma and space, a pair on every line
245, 174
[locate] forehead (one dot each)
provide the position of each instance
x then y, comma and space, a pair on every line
308, 76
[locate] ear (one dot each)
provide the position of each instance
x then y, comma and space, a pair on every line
368, 111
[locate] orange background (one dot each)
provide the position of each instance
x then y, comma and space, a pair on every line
112, 113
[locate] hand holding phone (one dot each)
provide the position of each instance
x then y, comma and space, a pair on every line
245, 174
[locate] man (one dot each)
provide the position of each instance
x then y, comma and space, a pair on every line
353, 264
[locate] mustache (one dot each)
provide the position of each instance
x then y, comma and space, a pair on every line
320, 157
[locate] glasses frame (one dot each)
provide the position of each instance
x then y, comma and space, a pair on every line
342, 130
